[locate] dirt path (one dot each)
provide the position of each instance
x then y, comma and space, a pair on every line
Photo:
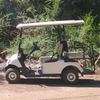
50, 89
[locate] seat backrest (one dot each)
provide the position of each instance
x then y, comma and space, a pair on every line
65, 46
59, 48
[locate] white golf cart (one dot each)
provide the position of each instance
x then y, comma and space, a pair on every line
63, 65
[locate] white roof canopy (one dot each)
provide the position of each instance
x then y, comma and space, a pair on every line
51, 23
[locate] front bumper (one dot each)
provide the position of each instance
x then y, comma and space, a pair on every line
2, 67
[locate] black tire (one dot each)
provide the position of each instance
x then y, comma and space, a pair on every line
70, 76
12, 75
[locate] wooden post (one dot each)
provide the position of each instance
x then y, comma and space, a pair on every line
97, 60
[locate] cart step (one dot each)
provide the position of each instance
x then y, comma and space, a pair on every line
88, 71
37, 72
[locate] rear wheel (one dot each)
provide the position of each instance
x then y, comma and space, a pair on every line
12, 75
70, 76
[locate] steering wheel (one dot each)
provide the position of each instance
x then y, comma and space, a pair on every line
35, 48
48, 52
53, 56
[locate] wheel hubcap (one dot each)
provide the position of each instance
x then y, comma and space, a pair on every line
12, 76
71, 77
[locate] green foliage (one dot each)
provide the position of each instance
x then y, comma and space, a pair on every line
50, 10
14, 45
43, 43
83, 33
27, 44
3, 45
4, 20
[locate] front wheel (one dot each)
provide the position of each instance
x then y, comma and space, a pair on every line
70, 76
12, 75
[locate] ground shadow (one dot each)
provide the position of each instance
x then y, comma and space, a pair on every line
60, 83
2, 79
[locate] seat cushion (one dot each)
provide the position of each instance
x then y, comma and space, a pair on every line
44, 59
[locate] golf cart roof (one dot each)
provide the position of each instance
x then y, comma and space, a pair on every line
51, 23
